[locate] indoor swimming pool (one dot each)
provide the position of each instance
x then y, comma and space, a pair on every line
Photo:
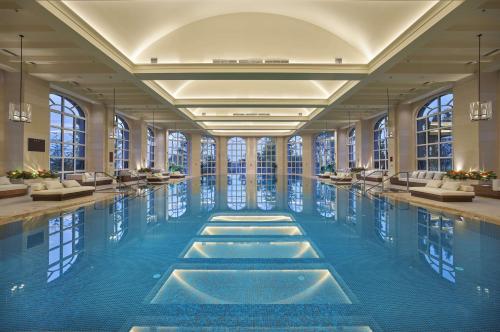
257, 253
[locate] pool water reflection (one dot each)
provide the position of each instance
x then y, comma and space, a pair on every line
173, 254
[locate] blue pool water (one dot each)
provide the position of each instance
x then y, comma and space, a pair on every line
216, 253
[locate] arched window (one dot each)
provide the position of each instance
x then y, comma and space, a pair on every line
295, 193
178, 151
324, 152
266, 156
435, 135
65, 242
208, 155
380, 155
351, 144
295, 145
122, 143
236, 155
150, 153
67, 136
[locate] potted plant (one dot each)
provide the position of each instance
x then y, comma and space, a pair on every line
47, 174
18, 176
144, 170
174, 168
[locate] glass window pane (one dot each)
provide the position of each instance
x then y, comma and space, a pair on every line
69, 164
446, 150
55, 119
80, 151
421, 138
55, 134
68, 150
68, 122
79, 137
432, 136
55, 150
55, 164
432, 150
446, 165
422, 165
80, 164
421, 151
68, 136
80, 124
433, 164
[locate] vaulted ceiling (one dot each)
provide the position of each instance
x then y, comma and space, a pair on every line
254, 67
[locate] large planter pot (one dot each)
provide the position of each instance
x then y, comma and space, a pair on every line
495, 184
17, 181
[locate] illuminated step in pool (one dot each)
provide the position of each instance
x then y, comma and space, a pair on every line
251, 218
251, 230
251, 249
294, 286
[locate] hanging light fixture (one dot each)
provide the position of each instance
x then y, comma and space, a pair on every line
112, 132
390, 131
20, 112
480, 110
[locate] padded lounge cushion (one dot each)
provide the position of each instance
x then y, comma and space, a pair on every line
4, 181
429, 175
438, 176
421, 175
451, 185
414, 174
434, 184
13, 187
70, 184
441, 192
53, 185
64, 190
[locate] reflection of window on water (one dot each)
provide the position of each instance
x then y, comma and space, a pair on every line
236, 191
352, 207
382, 227
435, 243
177, 199
266, 156
150, 207
119, 211
207, 193
266, 192
295, 193
65, 242
325, 200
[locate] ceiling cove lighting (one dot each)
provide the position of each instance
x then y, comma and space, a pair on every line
480, 110
20, 112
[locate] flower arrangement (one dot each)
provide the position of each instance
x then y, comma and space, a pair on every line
174, 168
17, 174
327, 168
45, 174
144, 170
471, 175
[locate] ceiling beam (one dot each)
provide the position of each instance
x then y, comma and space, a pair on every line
250, 72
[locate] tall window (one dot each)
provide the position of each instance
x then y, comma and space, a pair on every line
351, 145
178, 151
266, 156
435, 135
380, 154
236, 156
324, 152
295, 155
65, 242
208, 155
122, 143
150, 153
67, 135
